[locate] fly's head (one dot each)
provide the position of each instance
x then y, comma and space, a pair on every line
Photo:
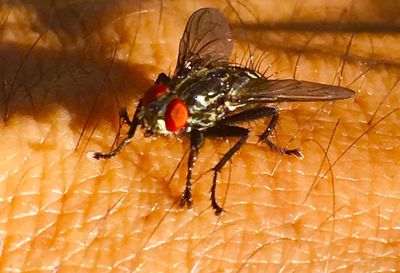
162, 111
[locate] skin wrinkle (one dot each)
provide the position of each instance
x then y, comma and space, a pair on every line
267, 227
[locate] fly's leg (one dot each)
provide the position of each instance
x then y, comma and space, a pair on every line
196, 141
123, 114
225, 131
258, 113
133, 125
271, 126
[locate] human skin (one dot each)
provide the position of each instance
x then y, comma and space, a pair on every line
66, 70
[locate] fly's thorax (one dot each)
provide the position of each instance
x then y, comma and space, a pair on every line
204, 89
244, 76
206, 108
209, 92
231, 102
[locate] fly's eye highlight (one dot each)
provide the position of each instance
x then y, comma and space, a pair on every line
154, 92
176, 115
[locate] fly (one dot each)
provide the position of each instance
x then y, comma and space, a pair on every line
207, 97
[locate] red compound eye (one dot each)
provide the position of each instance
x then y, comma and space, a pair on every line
154, 92
176, 115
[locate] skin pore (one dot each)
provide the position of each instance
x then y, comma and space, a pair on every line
68, 67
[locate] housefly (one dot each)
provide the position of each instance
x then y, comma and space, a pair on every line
207, 97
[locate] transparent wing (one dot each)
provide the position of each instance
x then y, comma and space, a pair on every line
264, 91
206, 40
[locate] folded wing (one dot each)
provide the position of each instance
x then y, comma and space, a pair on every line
264, 91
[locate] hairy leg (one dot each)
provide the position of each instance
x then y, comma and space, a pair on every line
225, 131
258, 113
196, 141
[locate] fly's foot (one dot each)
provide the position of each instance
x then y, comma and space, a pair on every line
97, 155
214, 204
186, 199
295, 152
217, 209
